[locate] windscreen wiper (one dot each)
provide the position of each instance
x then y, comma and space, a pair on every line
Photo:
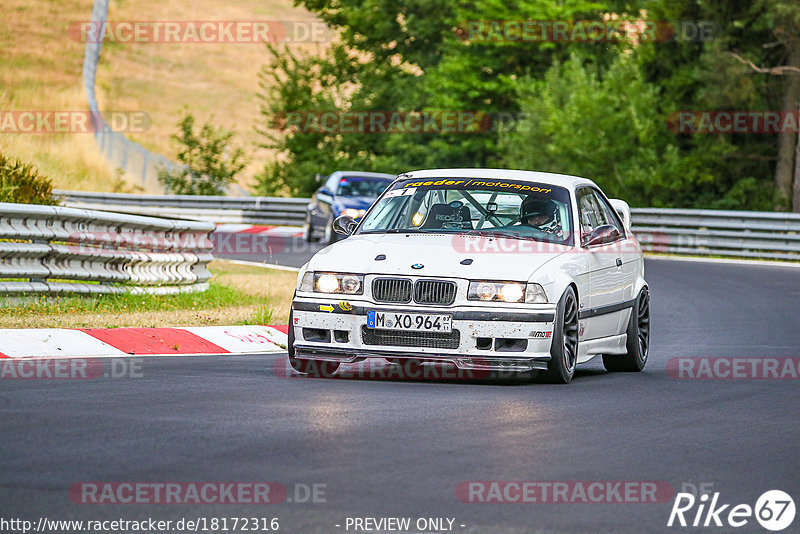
395, 231
493, 233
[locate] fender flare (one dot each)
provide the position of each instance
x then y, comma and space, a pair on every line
555, 283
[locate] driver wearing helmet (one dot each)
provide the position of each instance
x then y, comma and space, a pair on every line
539, 213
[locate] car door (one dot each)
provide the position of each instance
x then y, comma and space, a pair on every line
608, 284
628, 251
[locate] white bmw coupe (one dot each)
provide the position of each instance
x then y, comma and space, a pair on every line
487, 269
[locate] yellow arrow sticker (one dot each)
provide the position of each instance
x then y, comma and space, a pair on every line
326, 308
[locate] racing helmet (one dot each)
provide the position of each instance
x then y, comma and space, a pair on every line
534, 206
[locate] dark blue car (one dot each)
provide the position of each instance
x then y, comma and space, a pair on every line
342, 193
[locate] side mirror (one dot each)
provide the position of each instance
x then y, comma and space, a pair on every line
601, 235
623, 210
344, 225
324, 191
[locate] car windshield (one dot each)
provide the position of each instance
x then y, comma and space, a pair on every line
357, 186
523, 210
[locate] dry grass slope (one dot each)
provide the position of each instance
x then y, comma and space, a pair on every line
40, 69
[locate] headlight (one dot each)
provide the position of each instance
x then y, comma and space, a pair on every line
506, 292
354, 213
348, 284
327, 283
307, 283
534, 293
485, 291
512, 292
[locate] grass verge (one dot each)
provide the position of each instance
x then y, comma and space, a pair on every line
238, 294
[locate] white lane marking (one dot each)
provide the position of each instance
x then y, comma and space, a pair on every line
261, 264
232, 228
724, 260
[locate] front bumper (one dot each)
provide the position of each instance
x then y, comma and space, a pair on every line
483, 338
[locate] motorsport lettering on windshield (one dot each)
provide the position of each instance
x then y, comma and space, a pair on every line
503, 185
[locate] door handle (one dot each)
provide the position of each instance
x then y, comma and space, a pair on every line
619, 262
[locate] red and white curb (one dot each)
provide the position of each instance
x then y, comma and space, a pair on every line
121, 342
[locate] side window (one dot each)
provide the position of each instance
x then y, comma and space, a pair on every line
591, 213
609, 214
332, 184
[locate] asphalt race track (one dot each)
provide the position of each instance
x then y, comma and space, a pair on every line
291, 251
400, 448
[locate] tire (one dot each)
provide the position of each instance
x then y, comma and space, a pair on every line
638, 344
308, 233
564, 350
317, 368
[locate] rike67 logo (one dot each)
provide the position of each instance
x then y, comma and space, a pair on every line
774, 510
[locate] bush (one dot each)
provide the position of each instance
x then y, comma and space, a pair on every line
21, 183
610, 125
207, 167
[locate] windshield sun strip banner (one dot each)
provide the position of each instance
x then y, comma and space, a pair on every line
491, 184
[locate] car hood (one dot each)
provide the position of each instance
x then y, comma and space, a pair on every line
439, 254
358, 203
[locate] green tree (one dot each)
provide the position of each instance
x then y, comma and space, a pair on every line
707, 75
415, 55
208, 164
408, 56
610, 127
771, 58
303, 84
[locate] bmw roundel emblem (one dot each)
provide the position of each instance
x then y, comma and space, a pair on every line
417, 266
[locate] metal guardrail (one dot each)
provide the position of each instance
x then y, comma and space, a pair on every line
119, 150
218, 209
742, 234
55, 249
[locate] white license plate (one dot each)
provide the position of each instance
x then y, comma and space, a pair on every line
409, 322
